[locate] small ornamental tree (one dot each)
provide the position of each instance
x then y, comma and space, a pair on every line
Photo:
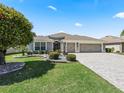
15, 30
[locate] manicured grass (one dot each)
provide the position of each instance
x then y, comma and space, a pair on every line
40, 76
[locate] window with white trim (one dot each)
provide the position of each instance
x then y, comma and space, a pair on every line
43, 46
37, 45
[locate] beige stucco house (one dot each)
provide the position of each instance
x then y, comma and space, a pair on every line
67, 43
114, 42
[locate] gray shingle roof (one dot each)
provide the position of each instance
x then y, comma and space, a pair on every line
112, 39
42, 38
67, 37
73, 37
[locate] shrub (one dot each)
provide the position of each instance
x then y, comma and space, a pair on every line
46, 52
109, 50
41, 52
65, 53
59, 51
54, 55
71, 57
117, 51
35, 52
29, 53
112, 49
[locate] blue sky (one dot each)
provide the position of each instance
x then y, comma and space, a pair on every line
95, 18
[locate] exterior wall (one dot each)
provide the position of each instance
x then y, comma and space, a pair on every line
77, 47
62, 46
122, 47
49, 46
84, 41
71, 47
90, 48
30, 46
117, 47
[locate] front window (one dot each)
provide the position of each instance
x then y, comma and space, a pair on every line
43, 46
37, 45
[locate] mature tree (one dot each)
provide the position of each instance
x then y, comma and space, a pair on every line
34, 34
24, 48
122, 33
15, 30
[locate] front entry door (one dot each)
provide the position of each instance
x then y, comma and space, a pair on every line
56, 45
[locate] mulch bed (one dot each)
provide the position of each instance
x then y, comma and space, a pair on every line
11, 67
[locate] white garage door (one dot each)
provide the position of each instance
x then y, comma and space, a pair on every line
90, 47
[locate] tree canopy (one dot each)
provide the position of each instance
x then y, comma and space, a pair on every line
15, 30
122, 33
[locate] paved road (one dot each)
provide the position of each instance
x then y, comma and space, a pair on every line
108, 66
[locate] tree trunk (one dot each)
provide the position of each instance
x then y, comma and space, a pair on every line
23, 53
2, 58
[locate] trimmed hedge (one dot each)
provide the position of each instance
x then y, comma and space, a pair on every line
71, 57
54, 55
40, 52
110, 50
35, 52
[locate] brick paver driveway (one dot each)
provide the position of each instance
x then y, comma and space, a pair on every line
108, 66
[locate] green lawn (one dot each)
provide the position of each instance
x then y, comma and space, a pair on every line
40, 76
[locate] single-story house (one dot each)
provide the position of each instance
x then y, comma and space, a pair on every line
117, 43
67, 43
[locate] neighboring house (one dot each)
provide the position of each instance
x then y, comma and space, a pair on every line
67, 43
114, 42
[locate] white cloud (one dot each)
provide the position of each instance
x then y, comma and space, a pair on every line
52, 8
119, 15
61, 31
77, 24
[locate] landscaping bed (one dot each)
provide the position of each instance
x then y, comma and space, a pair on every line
10, 67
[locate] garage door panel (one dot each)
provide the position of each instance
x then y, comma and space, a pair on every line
90, 48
